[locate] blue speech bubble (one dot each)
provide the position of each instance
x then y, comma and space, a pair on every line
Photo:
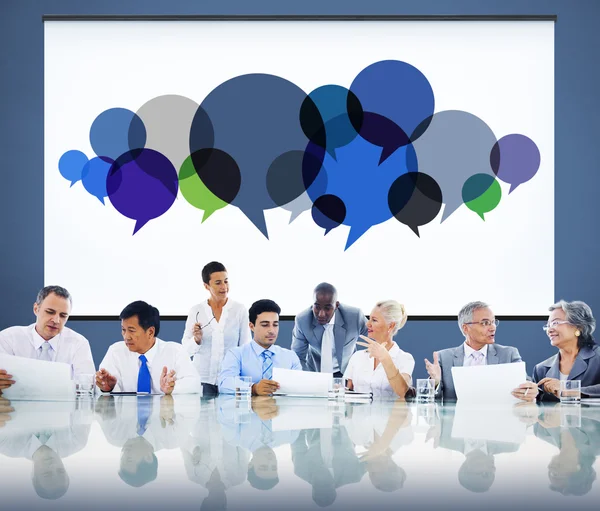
255, 118
363, 184
71, 165
397, 95
117, 131
331, 117
94, 176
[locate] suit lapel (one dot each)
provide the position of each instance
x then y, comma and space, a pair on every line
580, 366
492, 356
554, 371
339, 336
459, 356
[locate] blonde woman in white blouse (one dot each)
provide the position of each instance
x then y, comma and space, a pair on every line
214, 326
383, 368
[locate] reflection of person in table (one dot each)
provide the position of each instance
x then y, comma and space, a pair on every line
45, 447
325, 458
570, 471
382, 428
478, 471
210, 461
257, 436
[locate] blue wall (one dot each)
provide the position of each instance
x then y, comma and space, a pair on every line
577, 132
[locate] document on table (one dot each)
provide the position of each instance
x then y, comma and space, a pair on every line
37, 380
489, 383
302, 383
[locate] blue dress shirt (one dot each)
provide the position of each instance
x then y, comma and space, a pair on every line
246, 360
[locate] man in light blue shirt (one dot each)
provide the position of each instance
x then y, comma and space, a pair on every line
258, 358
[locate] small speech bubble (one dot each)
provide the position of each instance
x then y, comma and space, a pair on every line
142, 185
117, 131
328, 212
451, 147
94, 177
217, 166
400, 98
331, 117
481, 193
255, 119
168, 121
515, 159
362, 184
415, 199
291, 174
71, 165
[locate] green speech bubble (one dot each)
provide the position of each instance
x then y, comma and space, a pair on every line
195, 191
481, 193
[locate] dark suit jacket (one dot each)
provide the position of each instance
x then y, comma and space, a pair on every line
307, 336
454, 357
586, 368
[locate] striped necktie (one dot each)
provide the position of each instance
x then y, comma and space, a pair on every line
267, 366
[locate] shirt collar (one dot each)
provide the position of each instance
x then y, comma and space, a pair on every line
469, 351
258, 349
332, 320
151, 353
38, 340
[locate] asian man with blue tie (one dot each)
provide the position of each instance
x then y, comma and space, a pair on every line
258, 358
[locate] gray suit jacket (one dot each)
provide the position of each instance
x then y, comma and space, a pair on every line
586, 368
307, 336
454, 357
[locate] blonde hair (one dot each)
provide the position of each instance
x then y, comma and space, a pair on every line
393, 312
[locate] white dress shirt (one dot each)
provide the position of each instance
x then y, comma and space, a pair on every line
218, 337
68, 347
470, 357
366, 379
125, 365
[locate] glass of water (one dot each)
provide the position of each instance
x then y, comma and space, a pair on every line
338, 388
243, 387
425, 391
84, 384
570, 391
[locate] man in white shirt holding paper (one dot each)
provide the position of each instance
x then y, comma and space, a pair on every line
48, 338
142, 362
478, 324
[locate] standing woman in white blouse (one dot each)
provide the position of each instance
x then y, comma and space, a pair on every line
214, 326
383, 368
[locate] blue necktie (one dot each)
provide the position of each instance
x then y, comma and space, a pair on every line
267, 368
144, 410
144, 380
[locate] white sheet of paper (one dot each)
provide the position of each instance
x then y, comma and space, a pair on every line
302, 382
489, 383
38, 380
500, 423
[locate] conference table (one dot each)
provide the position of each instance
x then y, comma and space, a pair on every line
190, 453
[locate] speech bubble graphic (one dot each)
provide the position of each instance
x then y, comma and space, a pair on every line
328, 212
94, 177
255, 119
218, 165
515, 159
415, 199
357, 178
291, 174
451, 147
481, 193
399, 96
331, 117
117, 131
71, 165
142, 185
168, 120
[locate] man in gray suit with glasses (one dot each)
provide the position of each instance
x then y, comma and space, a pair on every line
325, 334
478, 324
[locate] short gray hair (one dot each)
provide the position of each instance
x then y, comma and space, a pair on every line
580, 315
57, 290
393, 312
466, 313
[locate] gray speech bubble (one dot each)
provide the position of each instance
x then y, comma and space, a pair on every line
452, 146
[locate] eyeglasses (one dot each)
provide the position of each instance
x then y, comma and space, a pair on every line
485, 323
206, 323
554, 324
